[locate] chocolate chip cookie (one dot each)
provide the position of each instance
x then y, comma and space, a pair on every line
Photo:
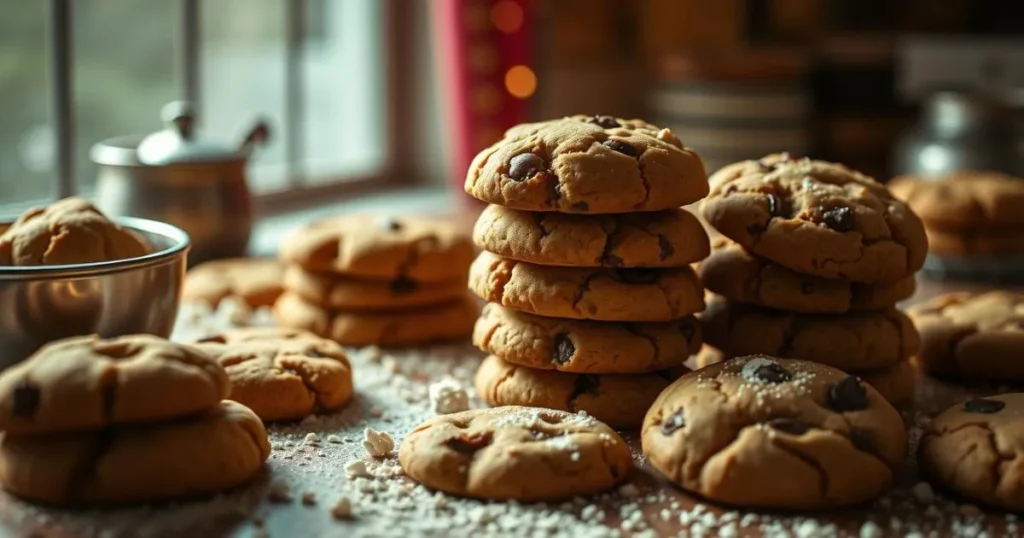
515, 453
976, 242
587, 293
738, 275
345, 293
387, 248
975, 448
586, 347
588, 164
282, 374
966, 200
764, 432
256, 281
195, 456
672, 238
816, 218
617, 400
973, 335
851, 342
87, 382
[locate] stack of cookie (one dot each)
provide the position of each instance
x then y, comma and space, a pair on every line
125, 420
814, 259
586, 265
362, 280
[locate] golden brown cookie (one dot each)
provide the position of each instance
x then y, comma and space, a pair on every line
196, 456
578, 346
764, 432
851, 342
257, 281
672, 238
617, 400
582, 164
346, 293
738, 275
976, 242
515, 453
86, 383
449, 321
976, 448
816, 218
282, 374
68, 231
587, 293
419, 248
972, 335
965, 200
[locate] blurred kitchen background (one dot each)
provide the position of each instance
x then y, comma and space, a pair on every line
364, 96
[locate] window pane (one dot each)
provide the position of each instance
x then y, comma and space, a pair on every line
124, 71
243, 77
26, 142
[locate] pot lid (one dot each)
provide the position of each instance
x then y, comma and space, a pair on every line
179, 143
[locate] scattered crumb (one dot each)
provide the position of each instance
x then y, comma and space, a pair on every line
357, 468
308, 498
342, 508
629, 490
377, 444
870, 529
332, 438
447, 396
280, 492
376, 412
312, 438
923, 492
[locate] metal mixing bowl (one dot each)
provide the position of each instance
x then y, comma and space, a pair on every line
40, 304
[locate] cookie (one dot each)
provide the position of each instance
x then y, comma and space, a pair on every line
587, 293
515, 453
87, 382
617, 400
976, 242
851, 342
447, 321
672, 238
256, 281
966, 200
345, 293
816, 218
764, 432
69, 231
385, 248
975, 448
972, 335
738, 275
585, 347
195, 456
581, 164
282, 374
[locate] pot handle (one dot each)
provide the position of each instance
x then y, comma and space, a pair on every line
258, 135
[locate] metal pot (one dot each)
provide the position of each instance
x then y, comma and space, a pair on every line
174, 176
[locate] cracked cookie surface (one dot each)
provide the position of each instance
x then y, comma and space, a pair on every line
851, 342
87, 383
69, 231
672, 238
407, 327
964, 201
587, 293
588, 164
257, 281
733, 272
282, 374
816, 218
619, 400
766, 432
386, 248
335, 291
581, 346
975, 335
515, 453
196, 456
976, 448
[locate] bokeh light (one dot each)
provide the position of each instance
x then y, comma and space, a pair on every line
507, 16
520, 81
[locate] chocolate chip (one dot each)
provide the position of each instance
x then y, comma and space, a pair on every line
984, 405
791, 426
847, 394
585, 384
524, 166
774, 205
638, 276
391, 224
606, 122
688, 329
838, 218
26, 399
807, 288
564, 348
215, 339
621, 147
766, 370
673, 422
611, 260
666, 247
468, 444
579, 206
862, 439
402, 285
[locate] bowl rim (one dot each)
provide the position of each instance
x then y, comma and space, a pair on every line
180, 244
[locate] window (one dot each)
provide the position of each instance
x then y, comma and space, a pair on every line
317, 70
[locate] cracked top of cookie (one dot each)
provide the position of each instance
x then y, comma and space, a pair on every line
817, 218
588, 164
88, 382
